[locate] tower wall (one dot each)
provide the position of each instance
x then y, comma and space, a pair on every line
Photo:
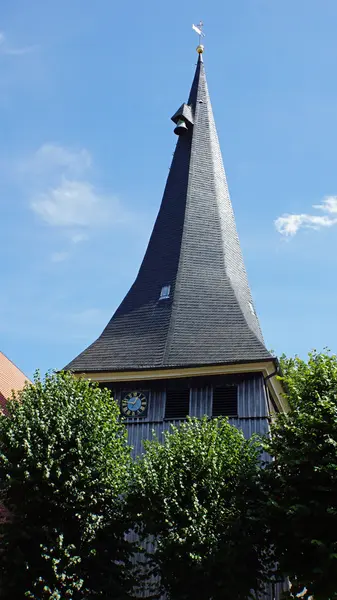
252, 404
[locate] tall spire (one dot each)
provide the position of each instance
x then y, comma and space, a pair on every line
190, 304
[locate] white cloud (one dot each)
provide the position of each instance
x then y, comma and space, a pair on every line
20, 51
62, 194
12, 51
75, 203
54, 160
289, 224
328, 205
76, 238
59, 256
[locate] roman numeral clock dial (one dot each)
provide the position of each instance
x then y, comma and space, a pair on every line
134, 404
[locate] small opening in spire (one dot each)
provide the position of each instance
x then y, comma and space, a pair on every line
165, 292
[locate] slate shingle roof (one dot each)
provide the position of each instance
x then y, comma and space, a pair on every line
209, 317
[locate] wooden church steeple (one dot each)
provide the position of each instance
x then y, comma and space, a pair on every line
186, 339
190, 305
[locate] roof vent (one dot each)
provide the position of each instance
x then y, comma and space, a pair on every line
252, 309
165, 292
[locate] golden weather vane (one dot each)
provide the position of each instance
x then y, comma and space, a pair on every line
199, 30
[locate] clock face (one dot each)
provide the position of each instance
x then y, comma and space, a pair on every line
134, 404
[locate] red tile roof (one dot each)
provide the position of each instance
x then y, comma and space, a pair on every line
11, 378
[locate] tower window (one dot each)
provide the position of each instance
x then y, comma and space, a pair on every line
225, 401
177, 404
165, 292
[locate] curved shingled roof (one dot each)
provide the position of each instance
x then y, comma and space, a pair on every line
194, 248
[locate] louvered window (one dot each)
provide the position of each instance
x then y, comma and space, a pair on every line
177, 404
225, 401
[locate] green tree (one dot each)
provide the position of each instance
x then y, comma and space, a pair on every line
301, 482
196, 497
64, 474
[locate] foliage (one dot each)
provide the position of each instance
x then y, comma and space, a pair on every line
197, 496
64, 469
302, 481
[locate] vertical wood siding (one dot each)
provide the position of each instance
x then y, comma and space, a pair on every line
252, 411
252, 419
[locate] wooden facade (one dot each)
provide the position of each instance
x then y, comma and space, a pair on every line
253, 404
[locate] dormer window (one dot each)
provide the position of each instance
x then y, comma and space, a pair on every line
252, 309
165, 292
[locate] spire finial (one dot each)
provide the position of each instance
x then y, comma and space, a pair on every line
199, 30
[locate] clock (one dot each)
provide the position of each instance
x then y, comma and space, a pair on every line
134, 404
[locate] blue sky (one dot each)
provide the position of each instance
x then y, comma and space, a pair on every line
87, 90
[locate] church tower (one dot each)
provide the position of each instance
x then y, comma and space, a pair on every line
186, 339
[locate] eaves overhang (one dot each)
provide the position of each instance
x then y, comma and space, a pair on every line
268, 368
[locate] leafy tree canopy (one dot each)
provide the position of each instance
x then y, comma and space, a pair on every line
302, 481
197, 496
64, 470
